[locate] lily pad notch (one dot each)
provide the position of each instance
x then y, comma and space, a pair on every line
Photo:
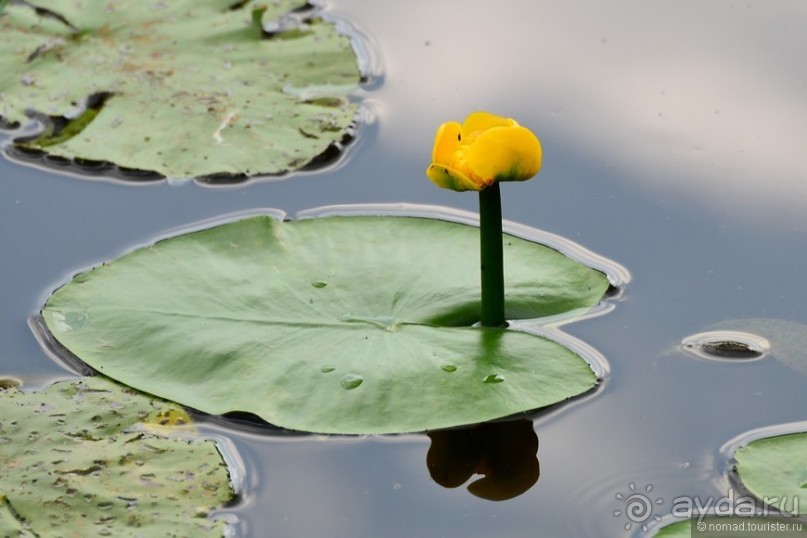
213, 90
346, 324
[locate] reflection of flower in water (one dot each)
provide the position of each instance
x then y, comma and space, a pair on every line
505, 453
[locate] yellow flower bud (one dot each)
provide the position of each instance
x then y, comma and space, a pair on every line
486, 148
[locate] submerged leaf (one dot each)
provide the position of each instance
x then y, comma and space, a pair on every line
787, 339
336, 324
187, 88
78, 461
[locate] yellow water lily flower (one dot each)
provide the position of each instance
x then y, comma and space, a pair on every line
486, 148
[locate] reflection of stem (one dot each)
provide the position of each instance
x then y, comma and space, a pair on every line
492, 265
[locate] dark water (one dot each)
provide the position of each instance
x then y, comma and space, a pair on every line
674, 144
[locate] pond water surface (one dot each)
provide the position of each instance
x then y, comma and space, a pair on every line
673, 136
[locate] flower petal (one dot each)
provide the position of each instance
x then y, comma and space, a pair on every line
448, 178
446, 143
505, 154
477, 122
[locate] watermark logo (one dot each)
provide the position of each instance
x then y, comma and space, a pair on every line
638, 506
733, 506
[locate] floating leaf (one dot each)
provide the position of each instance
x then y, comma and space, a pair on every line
342, 324
775, 468
185, 88
82, 459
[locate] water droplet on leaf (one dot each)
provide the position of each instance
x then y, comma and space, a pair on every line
327, 369
493, 378
319, 283
449, 368
351, 381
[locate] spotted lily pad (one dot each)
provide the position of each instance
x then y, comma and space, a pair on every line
775, 469
90, 458
184, 88
340, 324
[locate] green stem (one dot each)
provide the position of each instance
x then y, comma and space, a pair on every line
492, 265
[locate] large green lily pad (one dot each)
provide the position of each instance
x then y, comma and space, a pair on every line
775, 469
341, 324
88, 458
185, 88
